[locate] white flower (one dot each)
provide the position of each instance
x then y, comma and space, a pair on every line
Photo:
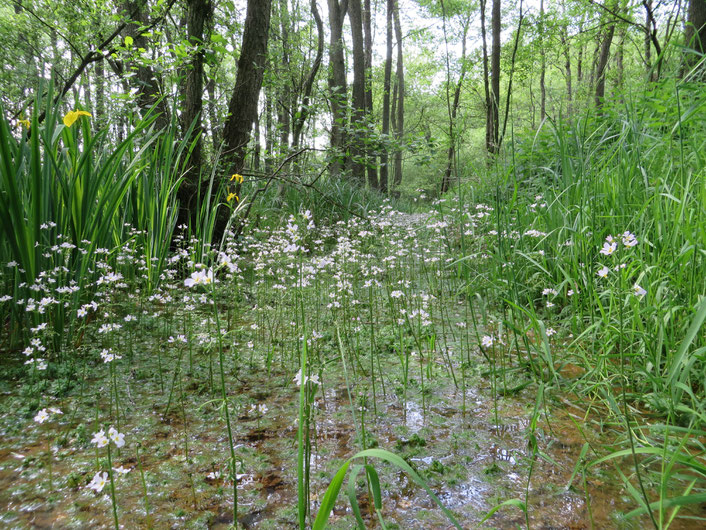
396, 294
639, 291
609, 248
202, 277
41, 416
117, 437
603, 273
121, 470
100, 440
99, 481
487, 341
298, 379
550, 332
629, 239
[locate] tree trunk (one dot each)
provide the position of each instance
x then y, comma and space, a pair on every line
696, 29
384, 154
648, 44
619, 60
543, 65
399, 121
198, 14
486, 73
269, 131
358, 120
602, 65
453, 106
579, 58
258, 150
370, 158
338, 87
242, 108
149, 88
567, 68
285, 92
493, 118
212, 115
303, 112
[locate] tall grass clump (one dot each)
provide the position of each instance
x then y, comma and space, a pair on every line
593, 249
76, 209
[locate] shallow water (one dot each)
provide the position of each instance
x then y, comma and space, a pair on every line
469, 460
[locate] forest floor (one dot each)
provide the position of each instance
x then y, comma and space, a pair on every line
395, 360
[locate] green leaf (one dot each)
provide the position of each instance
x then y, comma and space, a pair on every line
510, 502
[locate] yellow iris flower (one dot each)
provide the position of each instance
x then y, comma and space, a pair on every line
25, 123
237, 177
230, 197
73, 115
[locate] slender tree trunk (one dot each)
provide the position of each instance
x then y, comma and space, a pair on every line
258, 150
493, 121
453, 106
400, 89
619, 59
384, 154
602, 65
567, 69
198, 13
486, 75
149, 86
99, 74
242, 108
358, 120
338, 86
370, 157
269, 131
648, 43
518, 33
695, 35
543, 64
212, 114
285, 98
303, 112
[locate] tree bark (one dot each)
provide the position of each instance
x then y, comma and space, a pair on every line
619, 59
198, 13
400, 89
567, 68
358, 120
695, 34
212, 115
303, 112
338, 86
493, 118
602, 65
370, 156
269, 131
285, 91
387, 82
543, 65
149, 85
242, 108
453, 106
486, 72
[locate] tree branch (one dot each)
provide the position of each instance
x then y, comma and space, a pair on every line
94, 56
